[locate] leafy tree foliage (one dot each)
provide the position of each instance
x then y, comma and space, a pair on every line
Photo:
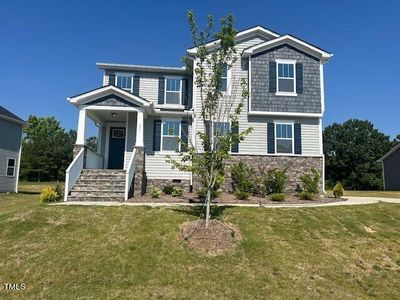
46, 149
352, 150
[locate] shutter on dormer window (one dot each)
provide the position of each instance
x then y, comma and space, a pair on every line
299, 78
136, 84
161, 90
185, 93
272, 77
111, 79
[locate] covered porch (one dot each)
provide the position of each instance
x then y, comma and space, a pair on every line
119, 118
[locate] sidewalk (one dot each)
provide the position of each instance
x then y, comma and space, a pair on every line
349, 201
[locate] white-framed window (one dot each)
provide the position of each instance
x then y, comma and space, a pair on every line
284, 141
221, 129
173, 91
124, 81
286, 77
170, 135
10, 172
224, 79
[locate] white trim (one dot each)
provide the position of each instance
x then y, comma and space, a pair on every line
180, 91
122, 74
126, 134
173, 113
283, 114
286, 122
107, 146
301, 45
162, 134
19, 164
139, 129
285, 62
239, 36
322, 86
249, 85
15, 165
80, 134
115, 108
323, 173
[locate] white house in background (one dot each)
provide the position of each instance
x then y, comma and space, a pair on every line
141, 110
10, 150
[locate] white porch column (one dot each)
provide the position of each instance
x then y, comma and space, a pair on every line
80, 135
139, 129
99, 138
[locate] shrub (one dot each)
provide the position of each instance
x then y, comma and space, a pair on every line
202, 193
306, 195
243, 178
177, 191
155, 192
242, 195
167, 189
275, 181
277, 197
338, 190
48, 195
60, 192
310, 182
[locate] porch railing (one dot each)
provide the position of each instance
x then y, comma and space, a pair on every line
93, 160
130, 173
73, 172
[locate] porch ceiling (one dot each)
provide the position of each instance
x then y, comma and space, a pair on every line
105, 116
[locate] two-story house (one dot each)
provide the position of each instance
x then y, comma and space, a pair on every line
141, 110
10, 150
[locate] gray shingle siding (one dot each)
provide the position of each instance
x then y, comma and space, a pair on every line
7, 183
10, 135
391, 174
262, 100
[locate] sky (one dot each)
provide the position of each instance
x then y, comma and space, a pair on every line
48, 49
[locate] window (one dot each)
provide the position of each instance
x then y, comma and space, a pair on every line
124, 82
221, 128
173, 91
170, 135
284, 138
224, 79
11, 167
118, 133
286, 78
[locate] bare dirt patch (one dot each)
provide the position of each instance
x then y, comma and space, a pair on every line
219, 238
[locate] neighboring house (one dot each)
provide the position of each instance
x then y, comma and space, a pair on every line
10, 150
141, 110
391, 169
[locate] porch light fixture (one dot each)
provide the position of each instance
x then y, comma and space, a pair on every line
113, 114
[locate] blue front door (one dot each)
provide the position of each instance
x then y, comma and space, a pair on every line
116, 148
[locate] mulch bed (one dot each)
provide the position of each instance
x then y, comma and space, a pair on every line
228, 198
219, 238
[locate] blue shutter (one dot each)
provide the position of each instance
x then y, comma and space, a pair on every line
272, 77
299, 78
235, 131
157, 135
184, 136
185, 93
136, 84
297, 138
207, 146
111, 79
271, 137
161, 89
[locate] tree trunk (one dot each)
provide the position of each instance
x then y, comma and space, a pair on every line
208, 207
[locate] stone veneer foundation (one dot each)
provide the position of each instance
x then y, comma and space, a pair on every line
296, 167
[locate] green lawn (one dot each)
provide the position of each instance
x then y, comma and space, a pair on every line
379, 194
65, 252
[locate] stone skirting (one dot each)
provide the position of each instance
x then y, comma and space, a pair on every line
139, 184
296, 167
160, 183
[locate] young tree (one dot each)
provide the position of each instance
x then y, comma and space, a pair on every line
219, 110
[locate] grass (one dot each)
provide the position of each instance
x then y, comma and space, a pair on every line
64, 252
378, 194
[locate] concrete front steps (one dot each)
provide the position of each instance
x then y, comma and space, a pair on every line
99, 185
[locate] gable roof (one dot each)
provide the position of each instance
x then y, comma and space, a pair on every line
108, 90
6, 114
392, 151
243, 34
297, 43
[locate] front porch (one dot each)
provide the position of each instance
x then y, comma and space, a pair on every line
119, 117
